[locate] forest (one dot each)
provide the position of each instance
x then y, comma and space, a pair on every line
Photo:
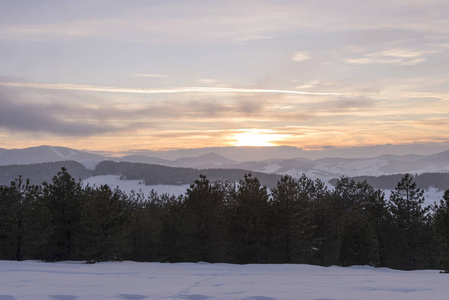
298, 221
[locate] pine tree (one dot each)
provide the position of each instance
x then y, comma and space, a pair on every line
250, 222
63, 198
358, 243
324, 235
203, 222
24, 220
409, 239
361, 210
145, 230
441, 228
104, 222
171, 247
292, 219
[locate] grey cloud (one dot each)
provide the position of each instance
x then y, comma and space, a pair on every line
250, 107
353, 103
63, 112
343, 105
66, 113
18, 115
208, 107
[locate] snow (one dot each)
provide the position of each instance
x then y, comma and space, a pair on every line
135, 185
431, 195
58, 153
353, 168
271, 168
132, 280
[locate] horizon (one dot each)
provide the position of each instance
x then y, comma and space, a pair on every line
164, 76
260, 153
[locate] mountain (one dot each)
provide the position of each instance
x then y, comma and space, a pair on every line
324, 168
377, 166
381, 172
47, 154
319, 168
205, 161
248, 153
239, 154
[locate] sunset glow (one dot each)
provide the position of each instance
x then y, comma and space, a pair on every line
112, 76
256, 138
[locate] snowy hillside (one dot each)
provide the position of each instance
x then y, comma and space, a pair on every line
320, 168
294, 166
131, 280
172, 177
382, 165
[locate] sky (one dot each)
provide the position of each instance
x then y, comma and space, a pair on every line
120, 75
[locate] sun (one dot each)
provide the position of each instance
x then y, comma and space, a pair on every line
255, 138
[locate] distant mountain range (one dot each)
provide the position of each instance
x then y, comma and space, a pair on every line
318, 168
43, 154
141, 172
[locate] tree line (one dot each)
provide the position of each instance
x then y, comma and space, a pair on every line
298, 221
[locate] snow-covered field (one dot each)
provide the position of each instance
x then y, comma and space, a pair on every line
127, 186
131, 280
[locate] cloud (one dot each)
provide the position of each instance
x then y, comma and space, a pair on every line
92, 88
301, 56
18, 115
393, 56
65, 113
358, 49
146, 22
212, 21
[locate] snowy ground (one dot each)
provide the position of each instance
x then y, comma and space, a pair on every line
127, 186
131, 280
432, 196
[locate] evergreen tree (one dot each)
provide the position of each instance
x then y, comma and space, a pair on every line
172, 231
203, 222
361, 210
63, 198
358, 243
409, 238
441, 228
145, 230
104, 222
24, 220
250, 222
323, 223
292, 219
